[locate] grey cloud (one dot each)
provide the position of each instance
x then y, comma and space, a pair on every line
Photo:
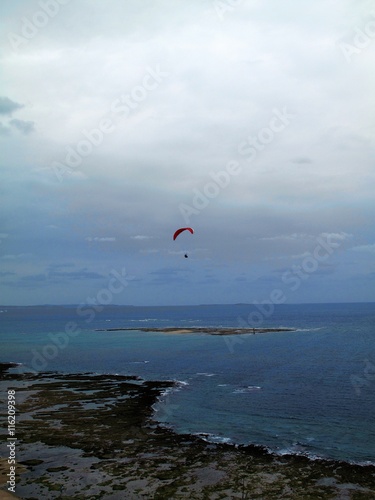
7, 106
301, 160
170, 275
31, 281
74, 275
4, 130
61, 265
52, 276
240, 278
267, 279
209, 280
170, 271
26, 127
170, 280
124, 196
322, 269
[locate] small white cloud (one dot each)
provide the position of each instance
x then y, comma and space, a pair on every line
141, 237
289, 237
338, 236
301, 255
15, 257
100, 239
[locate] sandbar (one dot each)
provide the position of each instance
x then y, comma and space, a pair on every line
206, 330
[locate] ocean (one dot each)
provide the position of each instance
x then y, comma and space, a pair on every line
308, 392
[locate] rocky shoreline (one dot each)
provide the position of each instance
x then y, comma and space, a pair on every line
93, 436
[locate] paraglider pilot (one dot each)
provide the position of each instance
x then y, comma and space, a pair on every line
181, 230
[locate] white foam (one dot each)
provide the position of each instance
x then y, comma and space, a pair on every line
212, 438
309, 329
245, 390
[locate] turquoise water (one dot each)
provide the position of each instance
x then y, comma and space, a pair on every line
310, 391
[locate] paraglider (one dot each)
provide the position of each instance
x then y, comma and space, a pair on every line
181, 230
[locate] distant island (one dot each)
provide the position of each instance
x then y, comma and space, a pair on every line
203, 329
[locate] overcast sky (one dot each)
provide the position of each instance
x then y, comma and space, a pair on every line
251, 121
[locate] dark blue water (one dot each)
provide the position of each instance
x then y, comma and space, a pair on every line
310, 391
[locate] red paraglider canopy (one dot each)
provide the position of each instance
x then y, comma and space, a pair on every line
179, 231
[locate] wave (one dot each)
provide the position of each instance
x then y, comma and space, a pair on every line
177, 386
294, 450
145, 320
213, 438
245, 390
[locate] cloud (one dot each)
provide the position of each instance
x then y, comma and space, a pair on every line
209, 279
4, 130
342, 236
149, 250
61, 265
100, 239
54, 276
26, 127
120, 197
170, 271
7, 106
170, 276
290, 237
364, 248
302, 160
6, 273
82, 274
15, 256
241, 279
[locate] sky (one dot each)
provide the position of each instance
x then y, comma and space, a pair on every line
250, 121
